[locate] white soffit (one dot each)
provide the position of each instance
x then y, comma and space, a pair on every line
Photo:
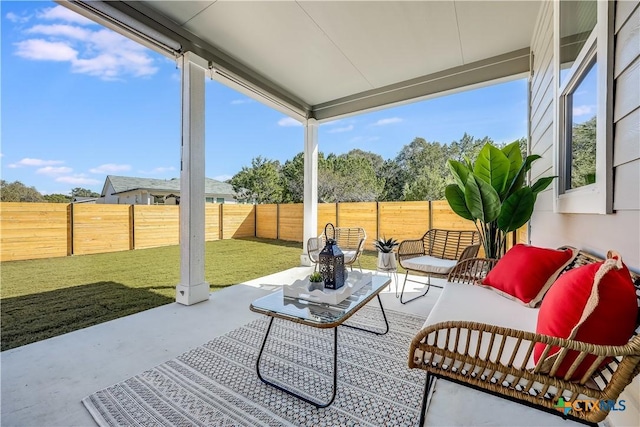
280, 41
340, 57
389, 42
181, 11
489, 28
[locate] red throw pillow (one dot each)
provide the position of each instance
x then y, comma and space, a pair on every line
525, 273
595, 303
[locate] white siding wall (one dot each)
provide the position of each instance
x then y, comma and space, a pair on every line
127, 198
109, 198
596, 233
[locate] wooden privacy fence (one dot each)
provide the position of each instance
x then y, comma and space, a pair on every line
44, 230
400, 220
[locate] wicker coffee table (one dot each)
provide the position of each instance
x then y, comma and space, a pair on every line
317, 315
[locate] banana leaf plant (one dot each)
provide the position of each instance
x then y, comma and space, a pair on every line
492, 193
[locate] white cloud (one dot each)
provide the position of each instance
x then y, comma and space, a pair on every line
54, 170
390, 120
110, 168
97, 52
222, 177
584, 110
17, 19
340, 130
61, 30
241, 101
61, 13
43, 50
79, 179
288, 122
35, 162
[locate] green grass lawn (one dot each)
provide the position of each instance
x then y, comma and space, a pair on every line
44, 298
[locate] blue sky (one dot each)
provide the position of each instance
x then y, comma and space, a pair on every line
80, 102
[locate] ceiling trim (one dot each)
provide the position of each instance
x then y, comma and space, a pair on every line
498, 67
106, 15
148, 26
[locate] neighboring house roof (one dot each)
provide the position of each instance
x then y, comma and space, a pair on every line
122, 184
80, 199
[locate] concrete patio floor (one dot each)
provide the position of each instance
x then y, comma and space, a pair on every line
43, 383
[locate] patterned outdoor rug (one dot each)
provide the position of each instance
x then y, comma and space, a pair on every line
216, 384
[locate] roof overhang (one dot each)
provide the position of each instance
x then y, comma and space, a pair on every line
324, 60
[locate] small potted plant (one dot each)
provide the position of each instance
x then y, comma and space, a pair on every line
315, 281
386, 257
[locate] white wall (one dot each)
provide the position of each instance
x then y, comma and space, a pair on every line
128, 198
595, 233
109, 197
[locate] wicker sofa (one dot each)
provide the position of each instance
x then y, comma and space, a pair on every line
478, 338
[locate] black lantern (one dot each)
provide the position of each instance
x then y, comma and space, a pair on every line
332, 261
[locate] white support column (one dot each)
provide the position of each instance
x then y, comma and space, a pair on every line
192, 288
310, 186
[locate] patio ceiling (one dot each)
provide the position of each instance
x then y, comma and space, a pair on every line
325, 59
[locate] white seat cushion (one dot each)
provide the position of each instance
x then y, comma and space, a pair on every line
430, 264
477, 304
349, 256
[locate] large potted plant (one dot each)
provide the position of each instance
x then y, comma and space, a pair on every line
492, 193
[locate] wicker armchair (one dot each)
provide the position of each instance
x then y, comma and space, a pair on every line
350, 240
436, 254
494, 359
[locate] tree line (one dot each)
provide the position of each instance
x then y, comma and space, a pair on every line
18, 192
418, 172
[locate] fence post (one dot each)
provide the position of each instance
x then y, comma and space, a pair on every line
255, 220
132, 230
70, 229
337, 216
377, 220
221, 221
430, 215
278, 221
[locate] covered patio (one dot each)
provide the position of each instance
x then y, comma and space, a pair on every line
321, 61
44, 383
315, 62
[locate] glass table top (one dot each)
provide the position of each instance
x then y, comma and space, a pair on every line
318, 314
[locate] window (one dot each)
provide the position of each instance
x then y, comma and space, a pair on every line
583, 106
577, 21
215, 200
580, 130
